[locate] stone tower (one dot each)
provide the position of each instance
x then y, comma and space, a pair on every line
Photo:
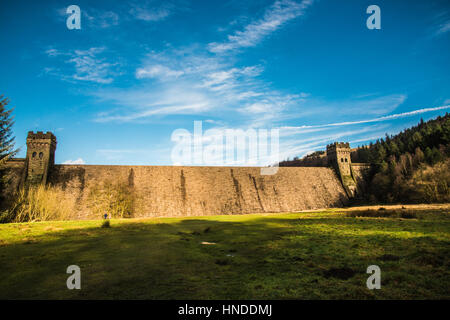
40, 156
338, 156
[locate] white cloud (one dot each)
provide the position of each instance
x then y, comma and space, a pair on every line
77, 161
99, 19
443, 28
90, 68
151, 101
441, 24
146, 12
312, 107
229, 78
157, 71
181, 108
88, 65
107, 19
274, 18
373, 106
379, 119
271, 105
52, 52
257, 107
194, 83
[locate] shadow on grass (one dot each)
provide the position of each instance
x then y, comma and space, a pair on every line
262, 258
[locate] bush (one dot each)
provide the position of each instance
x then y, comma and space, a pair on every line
40, 203
118, 198
106, 224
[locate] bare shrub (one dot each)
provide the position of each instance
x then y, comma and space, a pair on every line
117, 199
39, 203
430, 184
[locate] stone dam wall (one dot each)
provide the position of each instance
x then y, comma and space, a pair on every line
155, 191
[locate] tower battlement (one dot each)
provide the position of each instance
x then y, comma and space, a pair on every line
41, 135
338, 145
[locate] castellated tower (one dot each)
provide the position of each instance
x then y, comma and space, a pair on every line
338, 156
40, 156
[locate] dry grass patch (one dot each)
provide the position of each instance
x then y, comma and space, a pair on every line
41, 203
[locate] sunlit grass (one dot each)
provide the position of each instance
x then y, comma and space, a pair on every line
276, 256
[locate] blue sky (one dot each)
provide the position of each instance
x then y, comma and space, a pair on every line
114, 91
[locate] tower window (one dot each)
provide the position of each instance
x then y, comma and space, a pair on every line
34, 155
346, 160
41, 155
342, 159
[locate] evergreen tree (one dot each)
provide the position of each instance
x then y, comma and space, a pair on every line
393, 148
436, 156
6, 139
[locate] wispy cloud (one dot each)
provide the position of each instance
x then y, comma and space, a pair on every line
440, 24
147, 11
228, 78
157, 71
88, 65
443, 28
361, 105
379, 119
100, 19
146, 102
274, 18
194, 83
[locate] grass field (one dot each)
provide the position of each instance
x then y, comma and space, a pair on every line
307, 255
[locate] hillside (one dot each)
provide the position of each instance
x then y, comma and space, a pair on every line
411, 166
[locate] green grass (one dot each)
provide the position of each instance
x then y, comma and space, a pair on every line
279, 256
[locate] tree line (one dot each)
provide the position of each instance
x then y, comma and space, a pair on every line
411, 166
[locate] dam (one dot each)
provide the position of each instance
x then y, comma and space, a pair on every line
163, 191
